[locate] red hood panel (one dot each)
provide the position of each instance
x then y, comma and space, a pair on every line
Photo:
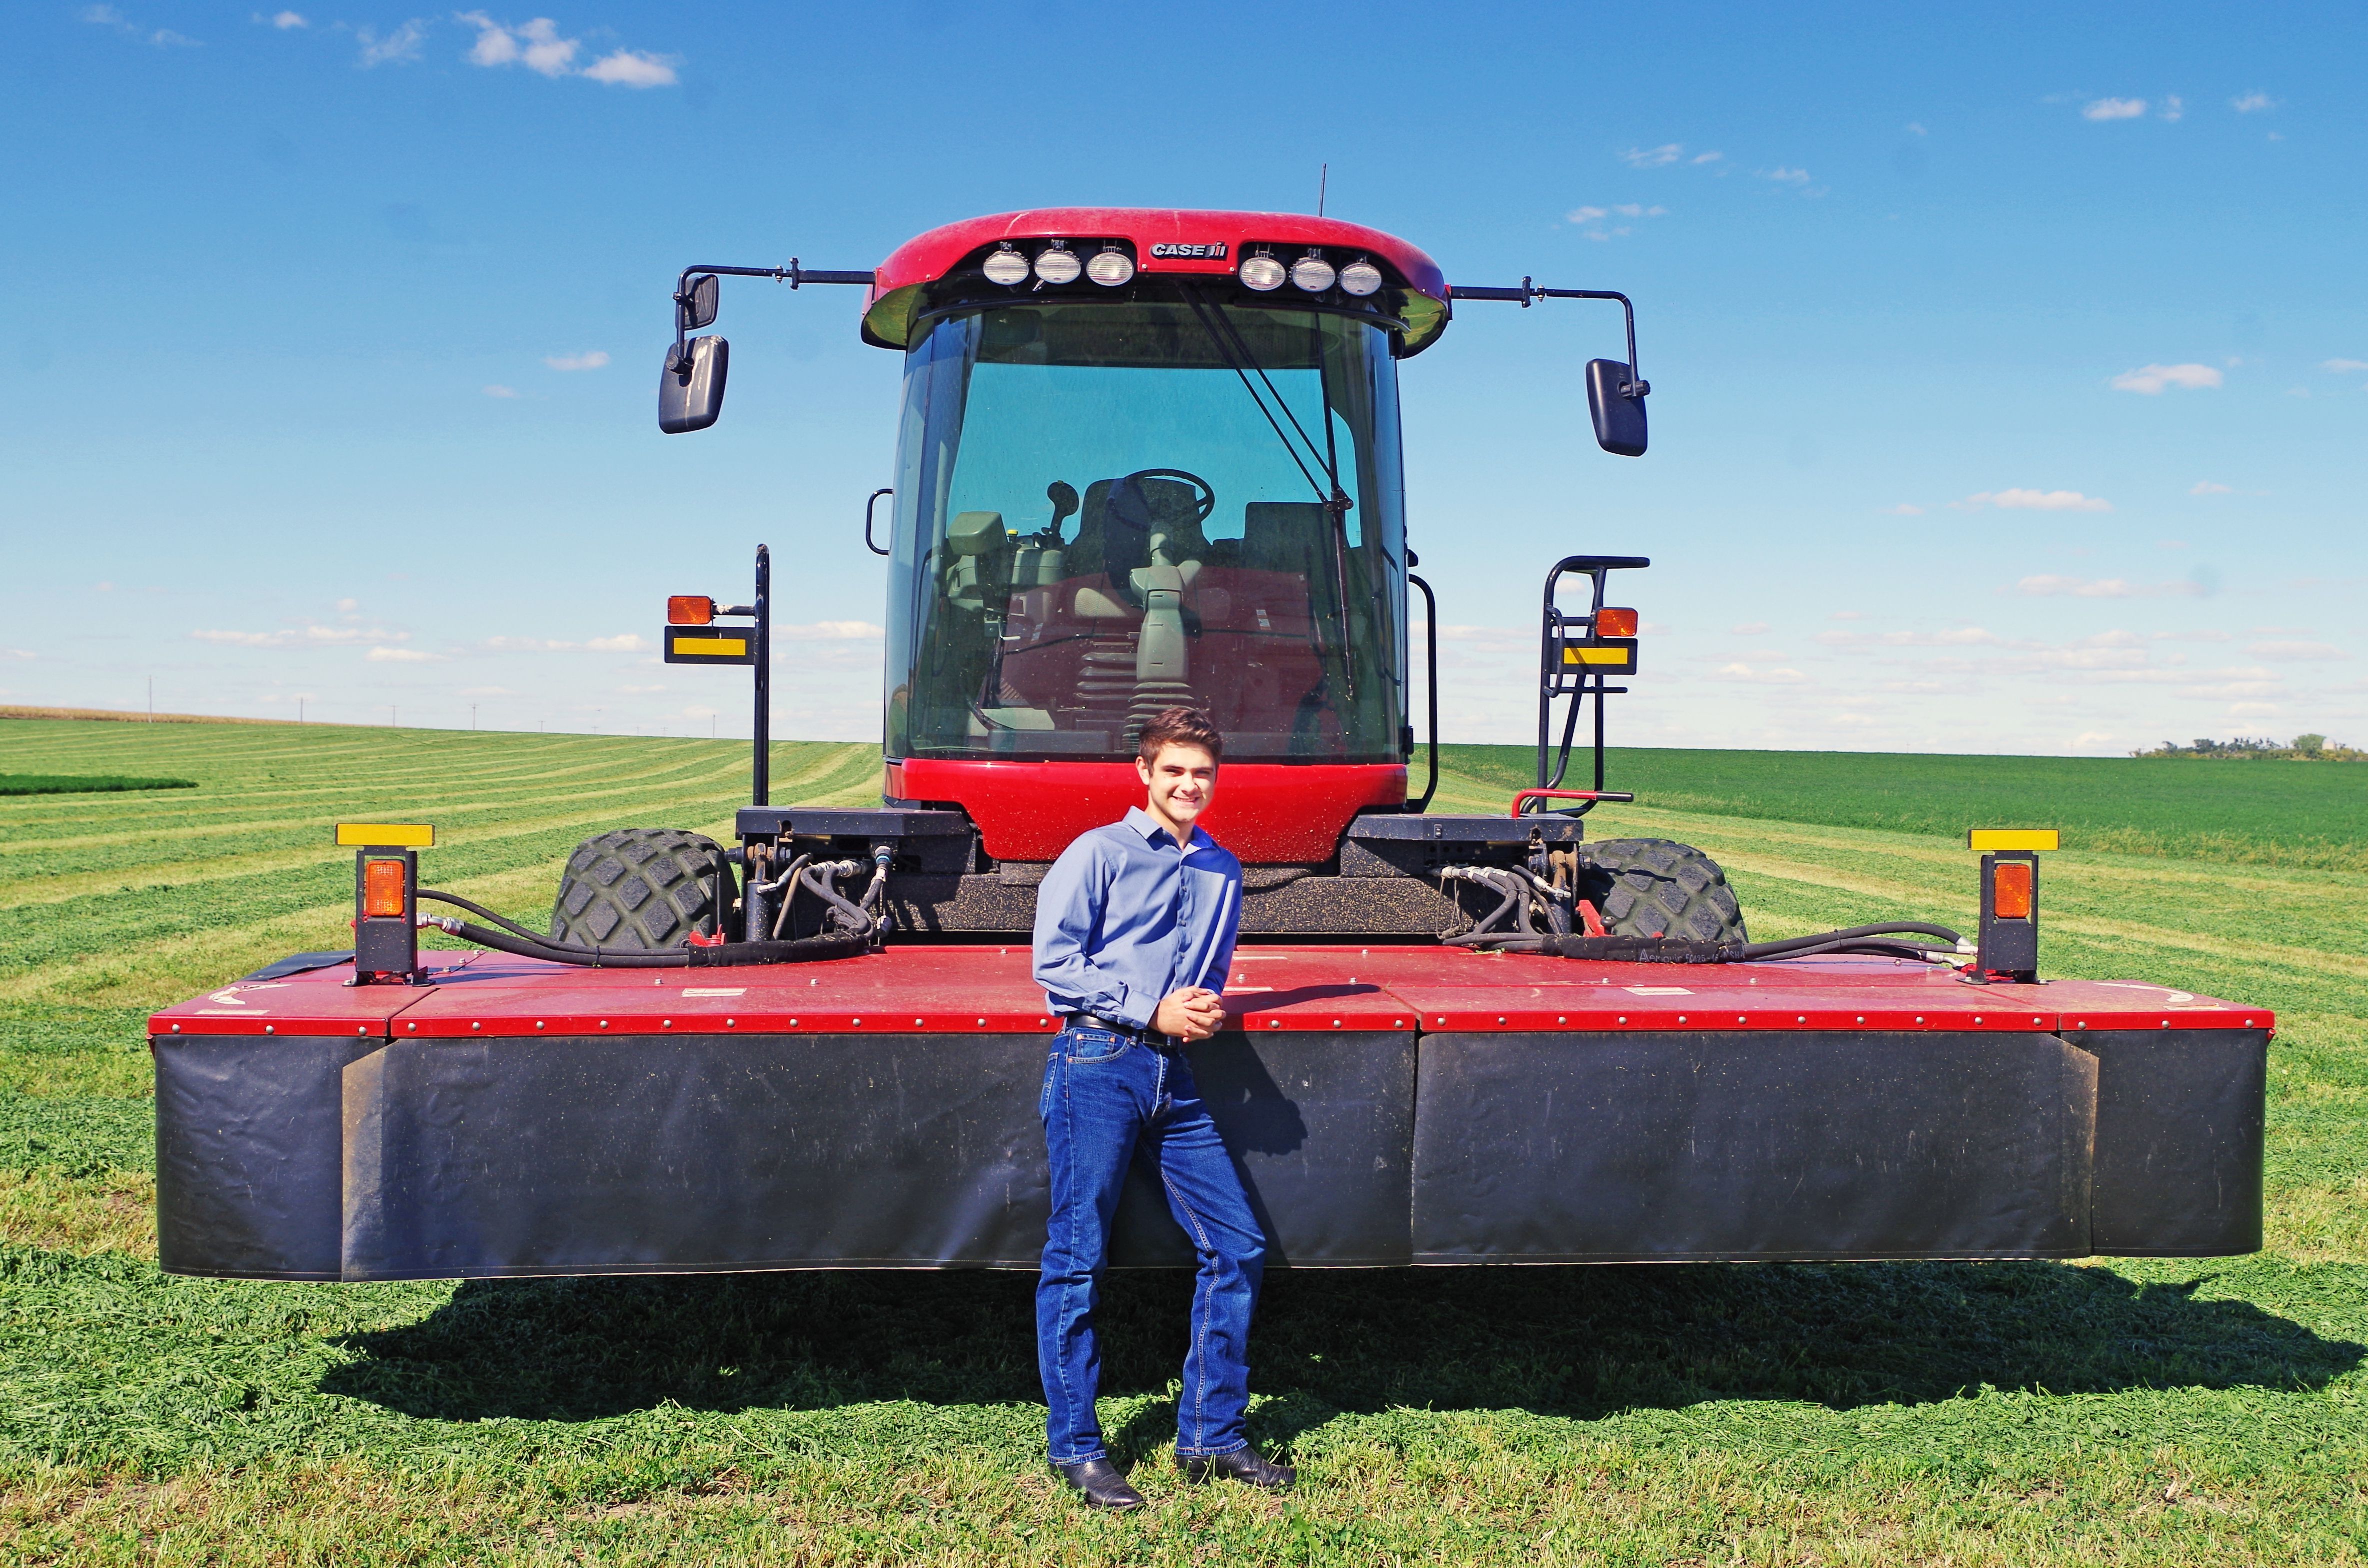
1267, 813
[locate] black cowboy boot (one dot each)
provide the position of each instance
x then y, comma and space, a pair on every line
1244, 1465
1100, 1484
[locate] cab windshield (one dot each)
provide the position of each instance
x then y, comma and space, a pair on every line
1105, 510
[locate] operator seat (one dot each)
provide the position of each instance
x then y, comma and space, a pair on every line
1169, 506
1139, 545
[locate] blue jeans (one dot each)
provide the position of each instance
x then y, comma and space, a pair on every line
1109, 1100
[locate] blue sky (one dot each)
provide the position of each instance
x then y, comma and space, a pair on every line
2010, 367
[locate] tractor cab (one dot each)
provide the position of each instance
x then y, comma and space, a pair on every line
1145, 458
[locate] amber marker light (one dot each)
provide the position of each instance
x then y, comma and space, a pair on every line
2010, 890
382, 890
689, 609
1615, 623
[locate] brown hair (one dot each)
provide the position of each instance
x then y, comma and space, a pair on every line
1182, 727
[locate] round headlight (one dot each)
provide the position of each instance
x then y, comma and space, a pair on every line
1360, 278
1263, 273
1058, 265
1312, 273
1006, 266
1110, 268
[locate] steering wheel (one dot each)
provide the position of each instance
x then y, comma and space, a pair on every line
1204, 504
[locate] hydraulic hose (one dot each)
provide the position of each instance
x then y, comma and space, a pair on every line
1865, 939
728, 955
820, 880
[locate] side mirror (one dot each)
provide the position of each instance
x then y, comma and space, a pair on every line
690, 388
694, 308
1616, 399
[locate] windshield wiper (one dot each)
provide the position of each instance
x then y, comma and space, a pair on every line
1237, 355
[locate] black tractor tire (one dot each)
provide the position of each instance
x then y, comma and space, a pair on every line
639, 890
1652, 887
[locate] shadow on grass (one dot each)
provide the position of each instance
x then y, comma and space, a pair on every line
1572, 1342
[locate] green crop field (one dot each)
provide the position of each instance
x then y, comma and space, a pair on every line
2122, 1411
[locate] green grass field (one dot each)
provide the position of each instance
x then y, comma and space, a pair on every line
2202, 1412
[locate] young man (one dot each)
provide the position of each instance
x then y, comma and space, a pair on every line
1135, 932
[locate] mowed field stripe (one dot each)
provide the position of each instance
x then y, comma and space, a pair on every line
666, 787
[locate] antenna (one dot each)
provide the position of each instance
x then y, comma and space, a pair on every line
1323, 178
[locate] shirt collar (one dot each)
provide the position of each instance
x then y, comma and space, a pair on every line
1143, 822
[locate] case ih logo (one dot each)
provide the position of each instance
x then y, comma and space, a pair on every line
1211, 253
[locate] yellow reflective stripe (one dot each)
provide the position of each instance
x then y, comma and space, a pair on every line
2014, 838
715, 647
385, 835
1597, 655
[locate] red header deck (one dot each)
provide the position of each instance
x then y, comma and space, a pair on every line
987, 990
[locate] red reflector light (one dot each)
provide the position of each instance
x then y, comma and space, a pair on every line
2010, 890
1615, 623
383, 889
689, 609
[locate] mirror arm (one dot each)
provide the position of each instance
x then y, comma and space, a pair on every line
794, 275
1637, 386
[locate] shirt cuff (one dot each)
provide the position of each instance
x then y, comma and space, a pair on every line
1132, 1010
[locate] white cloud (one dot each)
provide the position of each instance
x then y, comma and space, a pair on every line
402, 656
2173, 110
2345, 367
1847, 615
1761, 677
1653, 157
160, 38
400, 47
303, 636
285, 21
2297, 652
1904, 510
347, 603
851, 631
2036, 501
624, 642
1701, 158
629, 68
591, 362
1590, 218
1914, 129
2253, 103
2048, 586
537, 45
2207, 487
1751, 629
2151, 380
1788, 177
501, 391
16, 653
640, 690
2114, 109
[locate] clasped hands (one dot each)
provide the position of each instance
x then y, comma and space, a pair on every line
1195, 1012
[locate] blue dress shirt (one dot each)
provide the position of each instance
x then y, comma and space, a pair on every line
1125, 917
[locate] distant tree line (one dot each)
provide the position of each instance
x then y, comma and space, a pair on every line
2304, 748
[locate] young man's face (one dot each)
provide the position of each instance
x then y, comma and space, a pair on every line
1180, 779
